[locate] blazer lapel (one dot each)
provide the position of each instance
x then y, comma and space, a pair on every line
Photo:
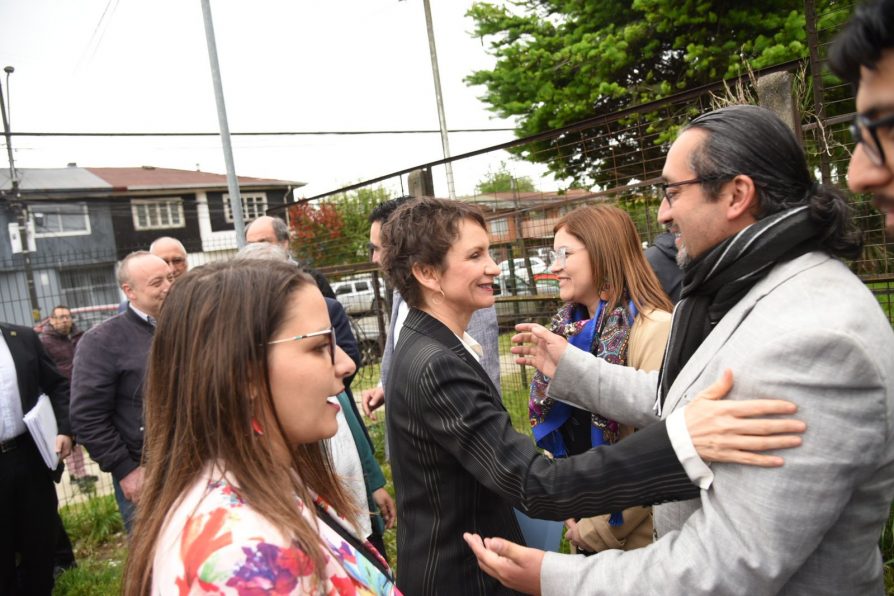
730, 322
19, 357
428, 325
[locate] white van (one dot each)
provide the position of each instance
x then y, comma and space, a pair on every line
521, 272
356, 296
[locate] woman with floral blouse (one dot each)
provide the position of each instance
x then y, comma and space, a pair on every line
239, 495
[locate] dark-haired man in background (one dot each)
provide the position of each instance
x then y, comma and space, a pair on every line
863, 54
60, 337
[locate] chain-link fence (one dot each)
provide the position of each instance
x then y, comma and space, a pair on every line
611, 158
617, 158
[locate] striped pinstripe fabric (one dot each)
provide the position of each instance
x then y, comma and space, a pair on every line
459, 466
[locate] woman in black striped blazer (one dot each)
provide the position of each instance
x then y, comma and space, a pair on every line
458, 465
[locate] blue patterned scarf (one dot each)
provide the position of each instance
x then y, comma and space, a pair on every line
547, 415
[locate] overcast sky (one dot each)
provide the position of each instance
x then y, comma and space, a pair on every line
286, 65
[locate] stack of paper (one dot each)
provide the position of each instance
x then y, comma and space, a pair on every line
41, 423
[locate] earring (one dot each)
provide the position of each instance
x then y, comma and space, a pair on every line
256, 426
439, 300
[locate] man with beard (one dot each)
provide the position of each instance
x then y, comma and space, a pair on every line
765, 296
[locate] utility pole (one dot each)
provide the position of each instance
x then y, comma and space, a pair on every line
20, 209
232, 181
439, 98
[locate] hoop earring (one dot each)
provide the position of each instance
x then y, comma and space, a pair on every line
439, 300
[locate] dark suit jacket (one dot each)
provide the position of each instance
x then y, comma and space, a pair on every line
459, 466
37, 374
344, 339
107, 391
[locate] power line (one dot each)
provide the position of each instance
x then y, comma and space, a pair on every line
253, 134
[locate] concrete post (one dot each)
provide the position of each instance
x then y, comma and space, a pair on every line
420, 183
774, 92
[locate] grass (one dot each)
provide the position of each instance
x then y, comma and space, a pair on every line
377, 434
99, 573
93, 523
100, 547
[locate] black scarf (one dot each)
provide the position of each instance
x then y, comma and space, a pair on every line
716, 282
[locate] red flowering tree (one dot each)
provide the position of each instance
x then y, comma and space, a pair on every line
317, 233
335, 231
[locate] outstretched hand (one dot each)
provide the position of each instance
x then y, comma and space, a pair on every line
538, 347
727, 431
516, 567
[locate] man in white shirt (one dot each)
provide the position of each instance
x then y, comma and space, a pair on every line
28, 518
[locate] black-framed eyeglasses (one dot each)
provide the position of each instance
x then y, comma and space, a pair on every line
330, 332
871, 143
663, 186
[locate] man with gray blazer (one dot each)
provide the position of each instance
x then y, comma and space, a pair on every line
765, 296
482, 326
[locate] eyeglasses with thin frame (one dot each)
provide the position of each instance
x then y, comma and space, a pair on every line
558, 257
330, 332
663, 186
871, 143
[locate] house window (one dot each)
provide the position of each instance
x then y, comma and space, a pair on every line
157, 214
499, 227
88, 286
253, 207
60, 220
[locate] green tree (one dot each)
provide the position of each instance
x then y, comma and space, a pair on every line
562, 61
503, 181
335, 231
354, 208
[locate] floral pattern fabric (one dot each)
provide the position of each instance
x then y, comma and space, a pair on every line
213, 543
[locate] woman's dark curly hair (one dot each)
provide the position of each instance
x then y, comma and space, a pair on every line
421, 232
